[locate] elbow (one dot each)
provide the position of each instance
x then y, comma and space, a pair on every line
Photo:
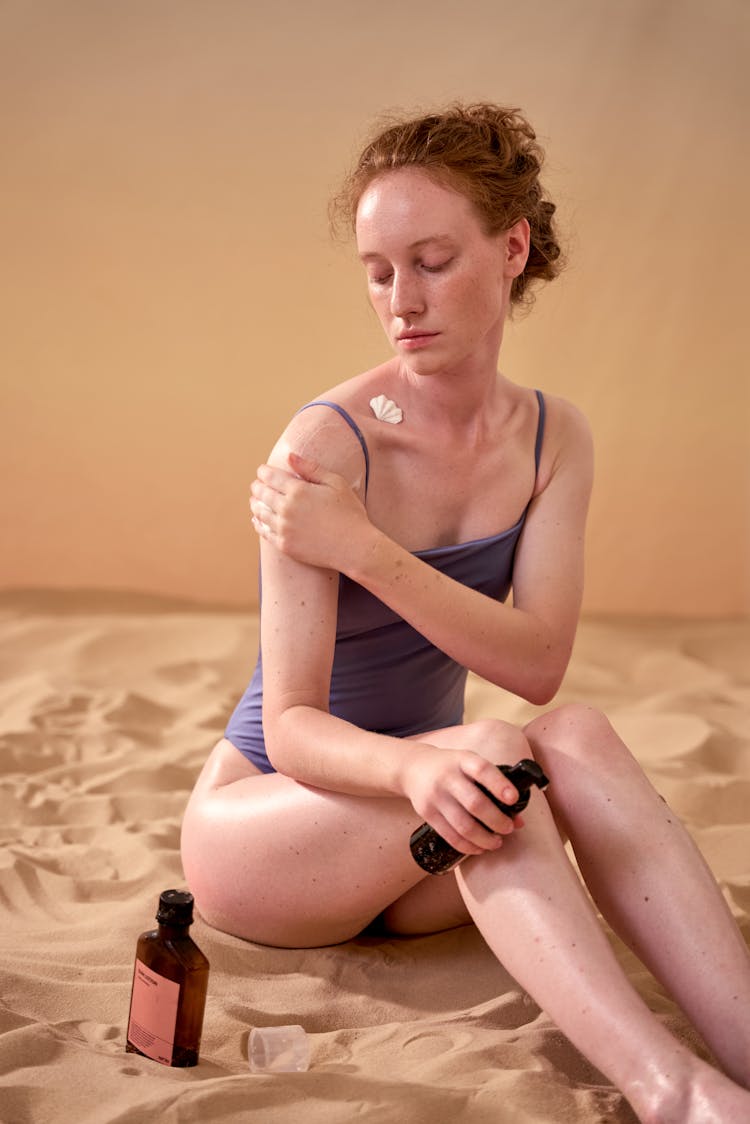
280, 753
284, 730
276, 742
546, 670
275, 755
541, 693
542, 684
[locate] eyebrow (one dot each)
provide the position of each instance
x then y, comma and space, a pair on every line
413, 246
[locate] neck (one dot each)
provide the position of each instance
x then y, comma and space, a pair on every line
457, 399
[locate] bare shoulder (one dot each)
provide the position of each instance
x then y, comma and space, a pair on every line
566, 419
327, 430
568, 442
330, 429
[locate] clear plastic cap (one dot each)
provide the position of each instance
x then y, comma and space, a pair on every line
278, 1049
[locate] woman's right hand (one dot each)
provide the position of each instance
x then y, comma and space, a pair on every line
310, 514
442, 787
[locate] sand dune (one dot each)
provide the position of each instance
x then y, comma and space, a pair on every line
108, 707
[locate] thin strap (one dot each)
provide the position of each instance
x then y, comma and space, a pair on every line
352, 425
358, 432
539, 429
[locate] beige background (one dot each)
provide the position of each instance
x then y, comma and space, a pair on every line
170, 294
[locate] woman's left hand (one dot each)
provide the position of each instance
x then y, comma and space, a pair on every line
310, 514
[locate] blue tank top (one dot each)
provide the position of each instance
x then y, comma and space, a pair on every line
386, 676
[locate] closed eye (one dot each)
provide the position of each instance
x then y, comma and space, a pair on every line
384, 278
436, 268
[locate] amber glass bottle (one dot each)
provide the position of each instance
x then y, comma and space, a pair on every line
170, 979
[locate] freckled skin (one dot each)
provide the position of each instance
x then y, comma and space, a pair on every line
457, 286
440, 287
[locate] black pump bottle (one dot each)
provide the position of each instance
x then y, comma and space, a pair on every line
436, 856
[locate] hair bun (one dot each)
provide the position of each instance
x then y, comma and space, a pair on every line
489, 153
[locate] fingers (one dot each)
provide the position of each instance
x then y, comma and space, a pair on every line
444, 787
267, 493
487, 774
306, 468
263, 515
263, 501
263, 529
303, 468
482, 809
469, 820
275, 478
271, 485
465, 833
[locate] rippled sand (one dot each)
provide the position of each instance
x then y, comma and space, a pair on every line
108, 707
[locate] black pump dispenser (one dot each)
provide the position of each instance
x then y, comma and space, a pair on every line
436, 856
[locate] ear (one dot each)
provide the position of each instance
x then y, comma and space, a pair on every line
517, 245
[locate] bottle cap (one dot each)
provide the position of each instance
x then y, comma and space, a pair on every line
175, 908
278, 1049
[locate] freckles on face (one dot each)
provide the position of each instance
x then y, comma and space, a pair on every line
404, 207
429, 261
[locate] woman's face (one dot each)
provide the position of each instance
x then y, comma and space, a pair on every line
439, 284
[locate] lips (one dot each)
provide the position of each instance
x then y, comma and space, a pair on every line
413, 340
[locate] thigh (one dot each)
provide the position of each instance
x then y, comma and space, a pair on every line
288, 864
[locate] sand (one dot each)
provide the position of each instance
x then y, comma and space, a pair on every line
108, 707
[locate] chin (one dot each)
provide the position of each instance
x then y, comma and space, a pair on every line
424, 364
429, 366
423, 370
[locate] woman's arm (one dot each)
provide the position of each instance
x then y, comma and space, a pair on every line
303, 740
524, 648
298, 630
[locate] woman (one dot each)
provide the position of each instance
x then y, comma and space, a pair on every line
394, 515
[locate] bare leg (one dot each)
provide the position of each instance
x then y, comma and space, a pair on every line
530, 906
284, 864
648, 878
289, 865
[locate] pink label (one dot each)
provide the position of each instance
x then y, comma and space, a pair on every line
153, 1014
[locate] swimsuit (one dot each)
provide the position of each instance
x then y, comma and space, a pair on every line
386, 676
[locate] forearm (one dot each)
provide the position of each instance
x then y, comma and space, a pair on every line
508, 646
449, 783
320, 749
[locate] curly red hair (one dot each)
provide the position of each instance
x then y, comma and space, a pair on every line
487, 152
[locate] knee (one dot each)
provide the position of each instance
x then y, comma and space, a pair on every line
498, 741
575, 730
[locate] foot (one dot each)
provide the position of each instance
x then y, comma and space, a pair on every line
705, 1097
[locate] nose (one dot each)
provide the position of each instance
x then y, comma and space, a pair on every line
406, 295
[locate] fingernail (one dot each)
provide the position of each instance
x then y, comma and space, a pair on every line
509, 796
